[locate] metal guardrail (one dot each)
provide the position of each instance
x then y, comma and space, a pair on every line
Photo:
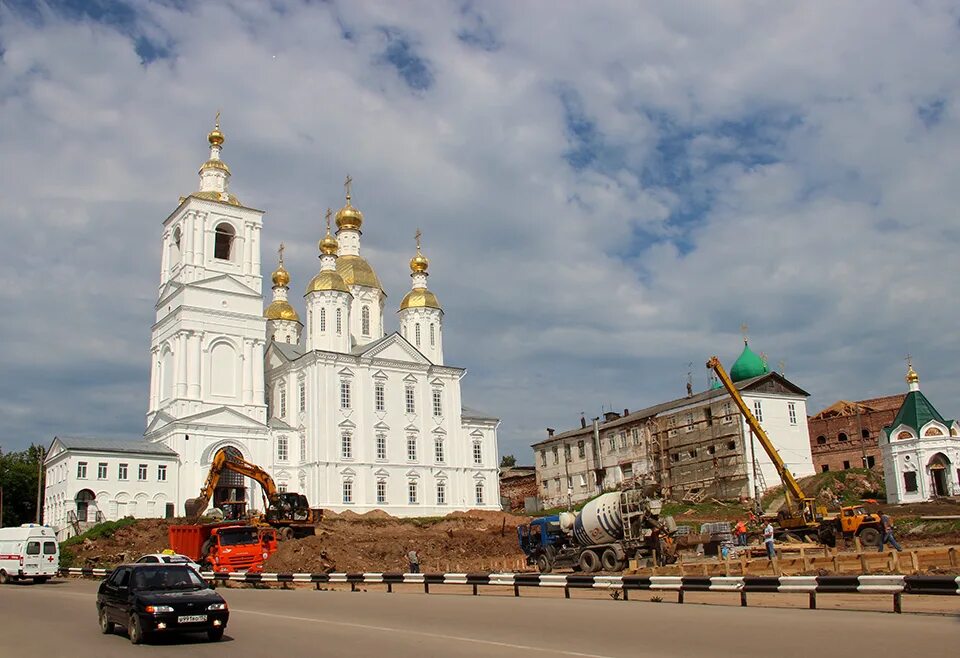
812, 585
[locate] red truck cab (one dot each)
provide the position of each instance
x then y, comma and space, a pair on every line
224, 547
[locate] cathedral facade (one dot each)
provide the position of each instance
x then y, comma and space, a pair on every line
328, 401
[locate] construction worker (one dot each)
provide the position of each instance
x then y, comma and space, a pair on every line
888, 537
768, 540
740, 532
414, 560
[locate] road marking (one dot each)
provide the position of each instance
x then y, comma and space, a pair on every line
456, 638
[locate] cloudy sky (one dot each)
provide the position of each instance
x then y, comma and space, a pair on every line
606, 192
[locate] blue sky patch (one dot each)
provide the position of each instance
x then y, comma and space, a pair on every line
931, 113
400, 54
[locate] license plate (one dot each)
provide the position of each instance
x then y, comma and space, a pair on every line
187, 619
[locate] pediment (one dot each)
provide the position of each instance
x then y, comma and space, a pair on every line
348, 472
477, 434
379, 374
413, 474
275, 358
283, 474
345, 372
439, 431
436, 381
439, 474
381, 426
347, 424
382, 473
225, 283
411, 428
395, 348
169, 290
161, 419
223, 416
410, 379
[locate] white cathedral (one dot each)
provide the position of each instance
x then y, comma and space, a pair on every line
334, 408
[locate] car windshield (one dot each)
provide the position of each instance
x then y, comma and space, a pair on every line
166, 577
239, 536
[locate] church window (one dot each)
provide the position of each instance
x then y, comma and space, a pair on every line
365, 320
438, 450
142, 472
865, 434
381, 446
339, 321
412, 492
303, 447
162, 473
411, 448
556, 455
344, 395
346, 445
841, 436
792, 411
102, 471
381, 491
612, 441
437, 403
623, 439
121, 472
81, 470
824, 468
303, 397
283, 401
282, 449
479, 492
758, 410
567, 452
821, 440
910, 481
223, 241
477, 453
433, 339
176, 237
379, 397
441, 493
846, 465
411, 405
175, 248
347, 492
323, 319
416, 333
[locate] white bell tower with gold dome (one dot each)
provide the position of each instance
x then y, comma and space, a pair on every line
366, 308
421, 316
328, 302
207, 343
283, 323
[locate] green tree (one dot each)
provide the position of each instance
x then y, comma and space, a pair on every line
18, 480
508, 461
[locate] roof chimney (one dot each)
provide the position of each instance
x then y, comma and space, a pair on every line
550, 431
610, 415
583, 421
626, 412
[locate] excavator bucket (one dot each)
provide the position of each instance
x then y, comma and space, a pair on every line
194, 507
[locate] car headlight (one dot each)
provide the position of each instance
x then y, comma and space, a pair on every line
217, 606
158, 609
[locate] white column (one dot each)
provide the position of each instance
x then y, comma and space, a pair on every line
165, 258
181, 342
247, 263
200, 243
154, 368
255, 249
193, 365
246, 381
187, 235
256, 363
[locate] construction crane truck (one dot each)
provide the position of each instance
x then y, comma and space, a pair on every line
800, 515
608, 531
288, 512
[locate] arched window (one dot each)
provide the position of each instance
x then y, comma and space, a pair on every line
83, 500
441, 493
865, 434
339, 321
323, 319
841, 436
175, 248
365, 320
223, 242
821, 440
433, 339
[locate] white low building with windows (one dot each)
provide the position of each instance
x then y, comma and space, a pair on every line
336, 408
90, 480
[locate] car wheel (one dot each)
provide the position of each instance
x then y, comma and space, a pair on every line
214, 634
135, 630
106, 626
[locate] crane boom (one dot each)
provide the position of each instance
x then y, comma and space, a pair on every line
790, 486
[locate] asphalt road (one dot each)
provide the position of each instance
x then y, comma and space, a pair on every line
58, 619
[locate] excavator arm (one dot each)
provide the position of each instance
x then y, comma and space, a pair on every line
222, 461
791, 488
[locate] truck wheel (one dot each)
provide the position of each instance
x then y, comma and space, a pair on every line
610, 561
589, 562
870, 537
286, 533
205, 548
544, 565
827, 536
4, 578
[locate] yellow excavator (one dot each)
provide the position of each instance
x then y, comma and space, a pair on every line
288, 512
800, 515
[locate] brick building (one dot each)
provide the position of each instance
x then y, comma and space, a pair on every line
840, 438
517, 483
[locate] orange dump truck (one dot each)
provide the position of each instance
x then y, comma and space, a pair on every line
224, 547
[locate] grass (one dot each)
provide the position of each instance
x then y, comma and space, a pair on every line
101, 530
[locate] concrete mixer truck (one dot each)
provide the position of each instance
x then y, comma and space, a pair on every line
610, 530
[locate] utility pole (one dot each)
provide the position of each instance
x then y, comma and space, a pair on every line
863, 449
40, 486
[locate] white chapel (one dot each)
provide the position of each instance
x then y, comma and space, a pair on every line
327, 401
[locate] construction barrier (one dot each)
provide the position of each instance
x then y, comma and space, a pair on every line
813, 585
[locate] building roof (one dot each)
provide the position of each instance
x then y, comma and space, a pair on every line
470, 412
872, 405
916, 411
692, 400
288, 350
138, 446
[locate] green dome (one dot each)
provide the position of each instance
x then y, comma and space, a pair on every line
748, 365
715, 385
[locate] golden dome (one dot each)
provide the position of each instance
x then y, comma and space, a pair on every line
349, 217
329, 246
281, 310
326, 280
212, 195
215, 137
281, 278
420, 298
912, 376
419, 263
357, 272
214, 164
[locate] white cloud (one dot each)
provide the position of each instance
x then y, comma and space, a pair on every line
792, 167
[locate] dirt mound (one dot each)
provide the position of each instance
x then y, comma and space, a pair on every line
126, 544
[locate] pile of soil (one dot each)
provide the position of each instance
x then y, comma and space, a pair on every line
378, 542
126, 544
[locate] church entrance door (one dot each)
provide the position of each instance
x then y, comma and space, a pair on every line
938, 474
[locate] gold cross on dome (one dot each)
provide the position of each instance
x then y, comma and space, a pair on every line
346, 184
417, 238
743, 329
216, 123
280, 251
329, 213
909, 360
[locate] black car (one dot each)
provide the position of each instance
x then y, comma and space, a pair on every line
150, 599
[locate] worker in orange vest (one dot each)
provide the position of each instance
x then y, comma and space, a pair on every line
740, 533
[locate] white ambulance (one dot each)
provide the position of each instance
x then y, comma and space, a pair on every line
30, 551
